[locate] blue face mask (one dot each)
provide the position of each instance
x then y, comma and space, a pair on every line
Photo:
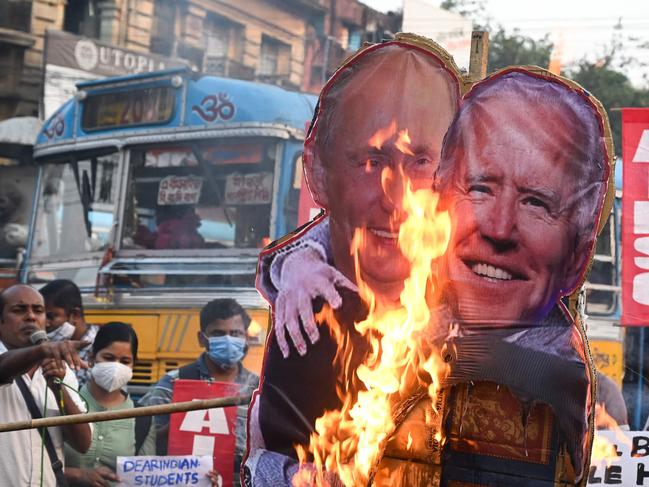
226, 350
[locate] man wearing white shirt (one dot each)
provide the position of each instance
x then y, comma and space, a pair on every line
22, 313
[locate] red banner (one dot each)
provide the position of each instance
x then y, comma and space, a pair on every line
635, 217
205, 432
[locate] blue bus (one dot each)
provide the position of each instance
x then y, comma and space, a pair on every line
155, 193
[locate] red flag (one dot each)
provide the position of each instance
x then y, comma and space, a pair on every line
205, 432
635, 217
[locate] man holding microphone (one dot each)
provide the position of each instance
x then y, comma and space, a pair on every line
36, 378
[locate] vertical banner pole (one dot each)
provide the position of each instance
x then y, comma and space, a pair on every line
638, 402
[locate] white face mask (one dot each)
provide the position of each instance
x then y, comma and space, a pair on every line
63, 332
111, 376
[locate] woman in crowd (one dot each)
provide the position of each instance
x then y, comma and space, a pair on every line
113, 354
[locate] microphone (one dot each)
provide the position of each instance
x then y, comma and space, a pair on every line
38, 337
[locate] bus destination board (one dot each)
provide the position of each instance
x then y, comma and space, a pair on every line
128, 108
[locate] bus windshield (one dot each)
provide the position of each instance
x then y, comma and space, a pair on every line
76, 207
208, 196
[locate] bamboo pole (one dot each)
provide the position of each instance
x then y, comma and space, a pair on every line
178, 407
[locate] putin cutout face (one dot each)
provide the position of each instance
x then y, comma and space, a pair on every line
389, 122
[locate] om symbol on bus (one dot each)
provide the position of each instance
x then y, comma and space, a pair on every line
55, 128
213, 107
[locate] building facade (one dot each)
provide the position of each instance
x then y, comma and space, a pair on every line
347, 24
293, 43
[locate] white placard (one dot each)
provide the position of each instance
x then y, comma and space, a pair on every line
180, 190
620, 458
170, 470
249, 189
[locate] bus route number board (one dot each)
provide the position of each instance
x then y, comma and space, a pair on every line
128, 108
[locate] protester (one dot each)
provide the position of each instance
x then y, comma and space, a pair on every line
66, 319
611, 412
505, 196
224, 324
41, 375
114, 353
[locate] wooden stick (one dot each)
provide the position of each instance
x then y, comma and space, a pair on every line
479, 55
178, 407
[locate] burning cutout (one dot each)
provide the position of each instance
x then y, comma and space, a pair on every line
402, 357
603, 449
618, 456
454, 361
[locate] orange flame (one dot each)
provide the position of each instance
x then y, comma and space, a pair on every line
349, 442
604, 451
378, 139
386, 133
603, 420
403, 143
254, 329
